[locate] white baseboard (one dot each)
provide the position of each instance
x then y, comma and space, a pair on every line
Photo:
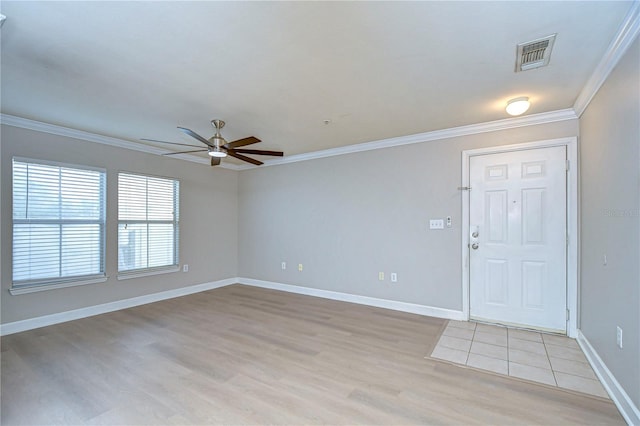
362, 300
43, 321
626, 406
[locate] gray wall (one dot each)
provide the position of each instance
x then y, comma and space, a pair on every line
207, 195
344, 218
610, 221
348, 217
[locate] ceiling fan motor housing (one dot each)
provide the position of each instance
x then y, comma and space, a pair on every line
217, 141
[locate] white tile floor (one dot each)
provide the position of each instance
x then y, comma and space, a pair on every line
544, 358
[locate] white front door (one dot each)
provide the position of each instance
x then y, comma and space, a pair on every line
518, 238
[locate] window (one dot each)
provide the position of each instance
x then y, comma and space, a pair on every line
147, 223
58, 223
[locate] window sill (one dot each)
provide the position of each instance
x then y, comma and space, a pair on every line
44, 287
128, 276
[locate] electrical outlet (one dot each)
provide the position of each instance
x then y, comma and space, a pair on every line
381, 276
185, 268
394, 277
300, 267
284, 265
619, 337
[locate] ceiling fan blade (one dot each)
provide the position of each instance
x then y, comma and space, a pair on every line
185, 152
241, 142
244, 158
194, 135
215, 161
172, 143
259, 152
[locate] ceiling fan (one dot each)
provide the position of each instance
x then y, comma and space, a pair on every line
218, 148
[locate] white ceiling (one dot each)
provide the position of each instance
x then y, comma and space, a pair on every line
277, 70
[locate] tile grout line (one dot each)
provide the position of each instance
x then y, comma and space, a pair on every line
473, 337
508, 363
553, 373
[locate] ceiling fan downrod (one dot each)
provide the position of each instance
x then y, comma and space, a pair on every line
217, 140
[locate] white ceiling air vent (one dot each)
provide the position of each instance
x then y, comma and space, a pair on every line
534, 54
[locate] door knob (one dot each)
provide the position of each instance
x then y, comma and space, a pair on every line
474, 246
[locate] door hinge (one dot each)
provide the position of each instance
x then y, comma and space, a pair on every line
568, 165
568, 314
567, 240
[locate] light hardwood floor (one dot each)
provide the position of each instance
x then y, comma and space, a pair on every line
243, 355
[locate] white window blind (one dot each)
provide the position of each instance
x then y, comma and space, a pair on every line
58, 222
148, 222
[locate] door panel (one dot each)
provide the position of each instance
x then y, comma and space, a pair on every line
496, 205
518, 242
532, 216
533, 276
497, 291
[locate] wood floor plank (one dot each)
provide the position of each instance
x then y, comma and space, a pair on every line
244, 355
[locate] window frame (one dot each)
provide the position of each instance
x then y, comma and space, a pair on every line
61, 281
155, 270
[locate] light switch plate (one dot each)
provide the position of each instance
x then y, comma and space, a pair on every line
436, 224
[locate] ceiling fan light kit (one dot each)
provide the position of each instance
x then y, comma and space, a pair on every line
217, 152
217, 147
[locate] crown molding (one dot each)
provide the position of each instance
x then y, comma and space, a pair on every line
25, 123
472, 129
490, 126
622, 41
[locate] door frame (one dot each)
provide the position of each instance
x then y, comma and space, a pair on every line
571, 143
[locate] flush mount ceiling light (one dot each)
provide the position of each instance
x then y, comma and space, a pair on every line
518, 106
